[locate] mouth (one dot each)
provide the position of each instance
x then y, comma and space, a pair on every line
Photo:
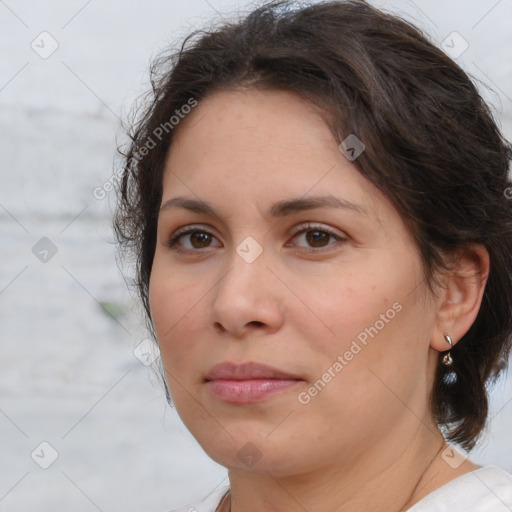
249, 382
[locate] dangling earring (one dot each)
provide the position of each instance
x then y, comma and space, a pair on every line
447, 358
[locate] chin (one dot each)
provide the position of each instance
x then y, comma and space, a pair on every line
253, 451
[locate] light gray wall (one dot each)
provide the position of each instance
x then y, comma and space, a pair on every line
69, 376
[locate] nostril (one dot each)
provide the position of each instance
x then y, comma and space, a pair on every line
219, 327
256, 323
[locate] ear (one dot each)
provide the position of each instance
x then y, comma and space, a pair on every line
460, 296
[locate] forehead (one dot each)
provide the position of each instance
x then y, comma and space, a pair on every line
252, 119
261, 147
251, 134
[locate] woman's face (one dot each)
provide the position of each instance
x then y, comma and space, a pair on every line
294, 261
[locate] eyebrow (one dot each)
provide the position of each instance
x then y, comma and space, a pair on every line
277, 210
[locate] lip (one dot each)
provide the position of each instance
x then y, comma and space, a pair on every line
247, 371
248, 382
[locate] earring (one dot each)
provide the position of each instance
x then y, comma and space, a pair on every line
447, 358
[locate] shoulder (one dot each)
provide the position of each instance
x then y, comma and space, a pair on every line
486, 489
207, 504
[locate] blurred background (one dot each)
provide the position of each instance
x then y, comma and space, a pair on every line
84, 424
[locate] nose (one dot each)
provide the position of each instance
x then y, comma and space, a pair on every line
247, 299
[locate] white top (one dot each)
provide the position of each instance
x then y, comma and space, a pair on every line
486, 489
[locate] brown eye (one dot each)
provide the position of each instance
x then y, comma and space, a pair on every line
200, 239
191, 239
317, 238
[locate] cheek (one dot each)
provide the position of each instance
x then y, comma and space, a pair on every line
370, 318
179, 322
341, 305
379, 350
176, 312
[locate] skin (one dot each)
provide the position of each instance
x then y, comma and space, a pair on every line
366, 441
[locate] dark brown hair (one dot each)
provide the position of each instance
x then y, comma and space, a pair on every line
432, 148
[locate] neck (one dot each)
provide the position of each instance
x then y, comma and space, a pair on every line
378, 480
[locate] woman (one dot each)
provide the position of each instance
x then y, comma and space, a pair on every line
316, 199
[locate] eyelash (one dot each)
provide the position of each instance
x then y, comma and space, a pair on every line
173, 241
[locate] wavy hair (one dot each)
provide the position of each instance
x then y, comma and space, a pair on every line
432, 148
